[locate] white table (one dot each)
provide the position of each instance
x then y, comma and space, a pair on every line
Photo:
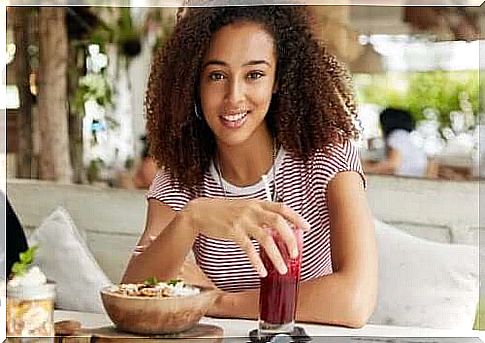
234, 328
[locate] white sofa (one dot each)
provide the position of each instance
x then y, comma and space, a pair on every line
428, 276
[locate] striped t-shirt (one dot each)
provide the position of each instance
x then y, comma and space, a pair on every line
300, 186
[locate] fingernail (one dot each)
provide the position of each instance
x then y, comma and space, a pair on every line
283, 270
263, 273
294, 253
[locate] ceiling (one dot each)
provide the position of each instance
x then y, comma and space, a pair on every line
446, 22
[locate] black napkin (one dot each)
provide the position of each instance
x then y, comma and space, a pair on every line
298, 335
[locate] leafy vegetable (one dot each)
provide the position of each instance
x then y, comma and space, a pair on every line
26, 259
173, 282
151, 281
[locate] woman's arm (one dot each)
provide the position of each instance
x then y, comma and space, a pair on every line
167, 239
346, 297
387, 166
169, 235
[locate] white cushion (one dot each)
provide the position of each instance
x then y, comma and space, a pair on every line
424, 283
64, 257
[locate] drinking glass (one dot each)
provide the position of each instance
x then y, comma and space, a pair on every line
278, 293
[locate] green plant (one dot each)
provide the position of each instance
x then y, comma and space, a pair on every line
94, 169
102, 35
437, 89
441, 90
127, 35
378, 89
92, 87
26, 259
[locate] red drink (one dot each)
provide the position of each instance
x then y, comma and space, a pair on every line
278, 293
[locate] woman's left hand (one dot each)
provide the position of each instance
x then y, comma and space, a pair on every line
191, 273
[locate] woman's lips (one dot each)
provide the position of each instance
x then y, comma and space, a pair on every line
234, 120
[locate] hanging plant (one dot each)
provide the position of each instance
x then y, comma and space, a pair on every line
128, 37
92, 87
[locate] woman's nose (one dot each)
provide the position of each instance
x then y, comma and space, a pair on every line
235, 92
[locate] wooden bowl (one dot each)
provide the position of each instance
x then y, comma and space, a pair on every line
152, 316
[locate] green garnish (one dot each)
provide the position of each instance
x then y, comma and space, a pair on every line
173, 282
151, 281
26, 259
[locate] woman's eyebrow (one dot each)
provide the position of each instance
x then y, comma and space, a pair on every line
255, 62
214, 62
224, 64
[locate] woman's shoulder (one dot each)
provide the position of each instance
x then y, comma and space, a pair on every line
342, 151
339, 157
168, 189
163, 178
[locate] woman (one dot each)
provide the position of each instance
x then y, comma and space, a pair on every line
403, 156
238, 93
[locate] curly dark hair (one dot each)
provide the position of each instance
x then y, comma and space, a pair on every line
312, 109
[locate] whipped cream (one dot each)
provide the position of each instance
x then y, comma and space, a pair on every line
33, 277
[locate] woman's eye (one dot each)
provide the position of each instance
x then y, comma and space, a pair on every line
255, 75
216, 76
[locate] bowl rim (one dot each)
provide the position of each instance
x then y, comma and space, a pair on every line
203, 290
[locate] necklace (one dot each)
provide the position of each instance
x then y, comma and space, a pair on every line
274, 196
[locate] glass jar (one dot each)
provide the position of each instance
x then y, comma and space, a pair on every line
30, 310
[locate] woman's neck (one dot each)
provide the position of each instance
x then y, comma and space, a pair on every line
244, 164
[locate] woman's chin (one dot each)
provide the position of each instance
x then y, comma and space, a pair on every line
233, 139
242, 135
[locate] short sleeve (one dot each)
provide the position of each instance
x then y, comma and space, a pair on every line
341, 158
168, 191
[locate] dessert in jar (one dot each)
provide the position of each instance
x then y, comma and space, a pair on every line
30, 305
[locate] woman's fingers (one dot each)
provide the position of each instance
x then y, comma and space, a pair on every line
280, 218
286, 233
267, 243
247, 246
288, 213
244, 219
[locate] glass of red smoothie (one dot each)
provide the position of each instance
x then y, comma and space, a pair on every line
278, 293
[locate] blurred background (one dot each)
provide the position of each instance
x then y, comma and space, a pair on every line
76, 78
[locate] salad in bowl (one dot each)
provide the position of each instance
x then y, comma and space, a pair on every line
157, 307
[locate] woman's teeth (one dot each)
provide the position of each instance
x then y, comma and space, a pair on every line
234, 120
235, 117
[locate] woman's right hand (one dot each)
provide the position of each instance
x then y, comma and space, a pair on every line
240, 220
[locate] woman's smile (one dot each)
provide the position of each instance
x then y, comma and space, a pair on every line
234, 120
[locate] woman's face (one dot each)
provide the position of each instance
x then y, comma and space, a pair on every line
237, 82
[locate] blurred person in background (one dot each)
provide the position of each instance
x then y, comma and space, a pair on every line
146, 170
403, 156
